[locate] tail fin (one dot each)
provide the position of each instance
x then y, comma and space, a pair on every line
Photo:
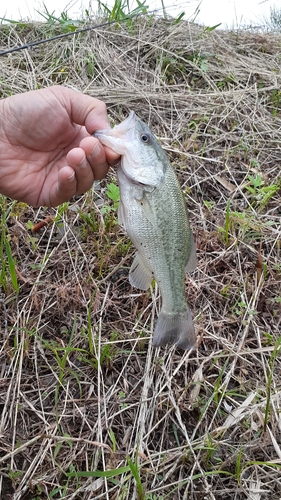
175, 329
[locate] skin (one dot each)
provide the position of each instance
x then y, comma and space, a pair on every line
47, 152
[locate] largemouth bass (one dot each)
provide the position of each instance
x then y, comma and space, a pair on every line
153, 212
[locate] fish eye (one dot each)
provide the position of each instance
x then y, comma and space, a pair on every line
145, 138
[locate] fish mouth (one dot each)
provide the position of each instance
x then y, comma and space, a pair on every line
117, 137
126, 124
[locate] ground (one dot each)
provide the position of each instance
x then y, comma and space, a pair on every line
88, 409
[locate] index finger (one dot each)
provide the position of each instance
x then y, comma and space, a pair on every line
83, 109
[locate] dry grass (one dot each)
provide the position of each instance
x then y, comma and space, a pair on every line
81, 387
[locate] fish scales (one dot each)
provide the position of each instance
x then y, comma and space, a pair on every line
164, 245
153, 212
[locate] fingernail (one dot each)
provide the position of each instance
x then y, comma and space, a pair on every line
71, 177
96, 151
83, 163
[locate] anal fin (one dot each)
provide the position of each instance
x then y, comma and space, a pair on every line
192, 259
140, 276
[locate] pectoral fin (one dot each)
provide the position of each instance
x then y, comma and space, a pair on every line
140, 276
146, 208
121, 215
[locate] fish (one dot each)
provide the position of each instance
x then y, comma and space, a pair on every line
153, 212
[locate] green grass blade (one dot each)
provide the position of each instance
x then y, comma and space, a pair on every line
100, 473
12, 266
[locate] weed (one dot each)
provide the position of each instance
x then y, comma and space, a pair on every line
239, 307
15, 475
91, 221
209, 204
151, 496
227, 83
270, 375
7, 261
63, 21
208, 29
178, 19
11, 267
238, 467
19, 24
61, 354
60, 443
134, 467
275, 99
107, 351
243, 226
113, 194
90, 65
210, 450
120, 11
122, 395
201, 61
218, 391
98, 473
62, 490
109, 210
225, 232
260, 193
113, 440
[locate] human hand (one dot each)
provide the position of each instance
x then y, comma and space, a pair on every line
47, 152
